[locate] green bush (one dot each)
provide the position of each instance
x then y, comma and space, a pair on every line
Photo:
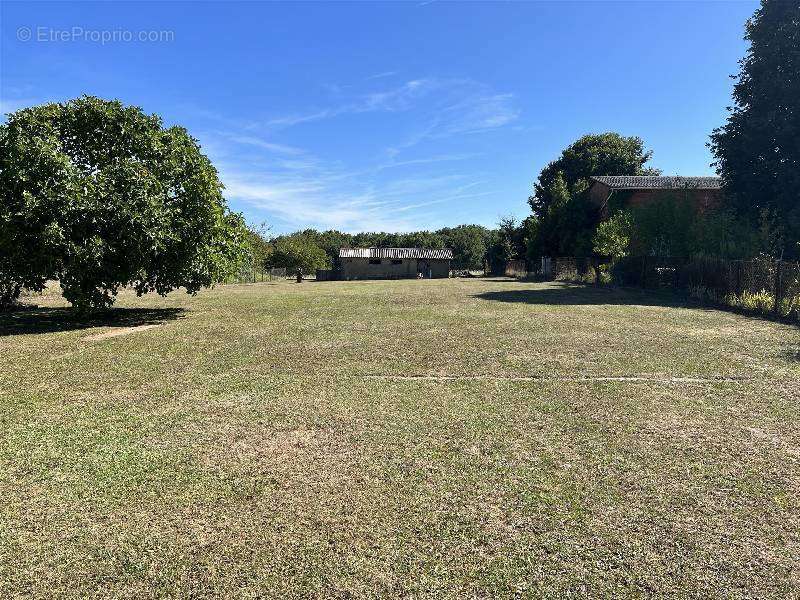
761, 301
567, 275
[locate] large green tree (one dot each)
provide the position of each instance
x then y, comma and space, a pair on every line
758, 149
99, 196
297, 252
468, 243
566, 220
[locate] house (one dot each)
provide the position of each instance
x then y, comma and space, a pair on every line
631, 191
393, 263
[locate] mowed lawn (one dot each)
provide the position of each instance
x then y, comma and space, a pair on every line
461, 438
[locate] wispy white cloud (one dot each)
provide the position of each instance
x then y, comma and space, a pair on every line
395, 99
448, 107
350, 201
259, 143
381, 75
295, 119
479, 112
427, 161
400, 98
315, 205
293, 188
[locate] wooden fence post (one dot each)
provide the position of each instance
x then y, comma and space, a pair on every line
778, 287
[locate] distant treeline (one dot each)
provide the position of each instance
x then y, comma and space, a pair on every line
474, 247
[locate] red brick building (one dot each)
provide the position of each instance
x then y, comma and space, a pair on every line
626, 191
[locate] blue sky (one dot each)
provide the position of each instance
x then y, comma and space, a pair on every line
389, 116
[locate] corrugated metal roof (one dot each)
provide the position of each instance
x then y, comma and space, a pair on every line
419, 253
649, 182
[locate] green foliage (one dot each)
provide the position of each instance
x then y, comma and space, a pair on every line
613, 236
257, 249
567, 219
757, 152
567, 227
258, 246
671, 225
100, 196
469, 245
762, 301
603, 154
506, 243
330, 241
297, 252
498, 253
663, 227
414, 239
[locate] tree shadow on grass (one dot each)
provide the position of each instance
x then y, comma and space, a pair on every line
567, 294
572, 294
51, 320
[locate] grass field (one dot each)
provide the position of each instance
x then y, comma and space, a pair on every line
417, 438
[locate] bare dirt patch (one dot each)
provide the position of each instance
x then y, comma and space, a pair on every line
759, 435
278, 445
118, 331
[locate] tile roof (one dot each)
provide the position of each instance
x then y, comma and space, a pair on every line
420, 253
650, 182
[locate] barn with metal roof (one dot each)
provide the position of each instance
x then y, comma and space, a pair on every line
394, 263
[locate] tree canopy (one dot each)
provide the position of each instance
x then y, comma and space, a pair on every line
566, 221
99, 195
758, 150
595, 154
297, 252
469, 244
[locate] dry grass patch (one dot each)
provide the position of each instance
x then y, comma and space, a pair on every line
476, 438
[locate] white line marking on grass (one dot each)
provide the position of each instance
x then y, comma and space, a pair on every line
544, 378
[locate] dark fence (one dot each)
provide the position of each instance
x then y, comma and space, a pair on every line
760, 285
570, 268
257, 275
516, 268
